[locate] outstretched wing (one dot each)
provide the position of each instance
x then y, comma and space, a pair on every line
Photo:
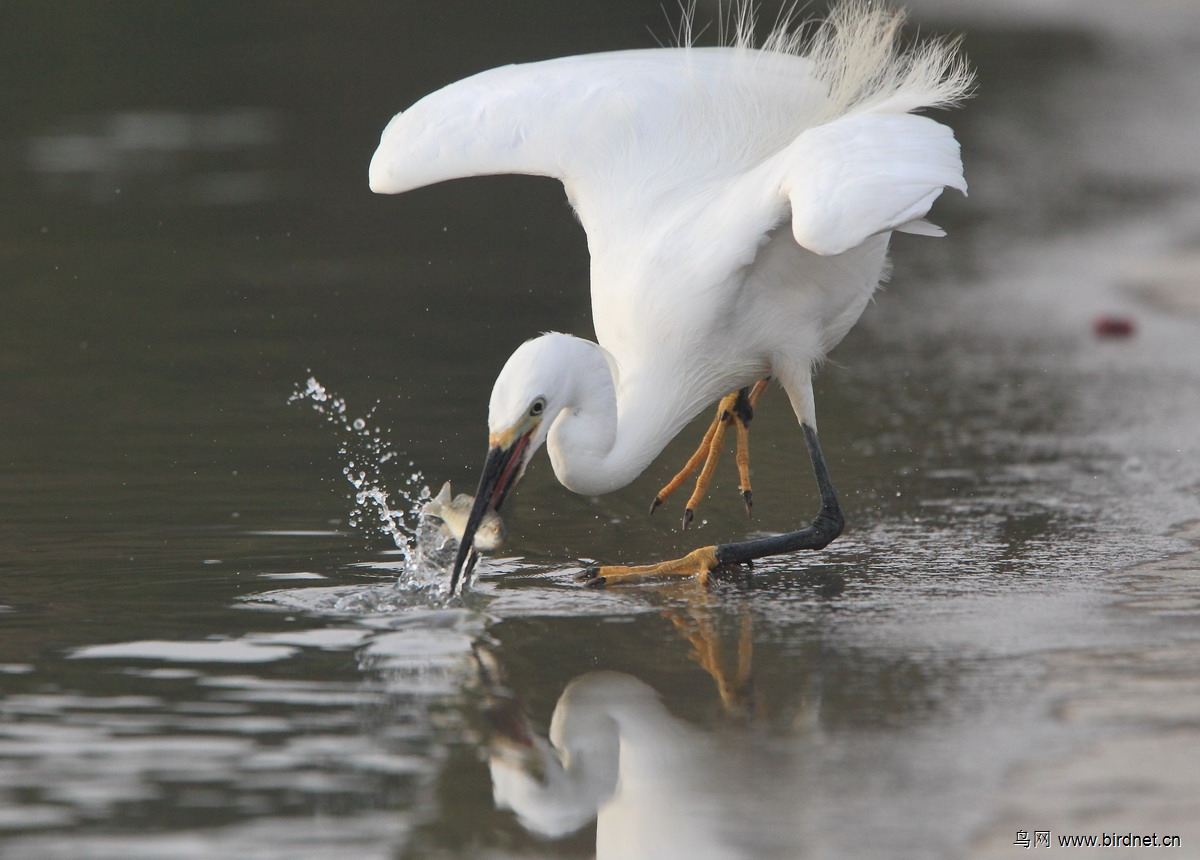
621, 130
725, 141
625, 131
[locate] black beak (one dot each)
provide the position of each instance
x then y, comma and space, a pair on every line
501, 471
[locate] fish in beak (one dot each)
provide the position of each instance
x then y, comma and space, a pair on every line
507, 457
451, 512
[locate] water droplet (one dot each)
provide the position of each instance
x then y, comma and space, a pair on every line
374, 508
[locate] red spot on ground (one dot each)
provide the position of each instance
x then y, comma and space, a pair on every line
1112, 326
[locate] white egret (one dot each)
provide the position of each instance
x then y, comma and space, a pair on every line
738, 203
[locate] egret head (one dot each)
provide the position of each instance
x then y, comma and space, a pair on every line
531, 389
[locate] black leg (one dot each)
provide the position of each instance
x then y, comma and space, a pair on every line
824, 528
743, 409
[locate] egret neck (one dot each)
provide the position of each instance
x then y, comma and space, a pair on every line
605, 429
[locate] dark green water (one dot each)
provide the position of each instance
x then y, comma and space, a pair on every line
201, 657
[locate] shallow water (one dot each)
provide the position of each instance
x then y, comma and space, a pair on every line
217, 639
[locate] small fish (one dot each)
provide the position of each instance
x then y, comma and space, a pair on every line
453, 512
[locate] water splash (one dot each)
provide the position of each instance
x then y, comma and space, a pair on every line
393, 512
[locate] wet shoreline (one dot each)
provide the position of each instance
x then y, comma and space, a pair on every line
1137, 711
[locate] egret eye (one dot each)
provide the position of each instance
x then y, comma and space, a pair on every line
538, 407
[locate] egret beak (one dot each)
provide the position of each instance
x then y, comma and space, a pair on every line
501, 470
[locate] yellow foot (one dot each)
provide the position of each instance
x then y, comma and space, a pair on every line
696, 563
735, 409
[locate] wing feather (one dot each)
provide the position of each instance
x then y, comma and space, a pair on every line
616, 128
647, 138
866, 174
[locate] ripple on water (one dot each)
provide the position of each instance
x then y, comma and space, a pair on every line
225, 738
221, 651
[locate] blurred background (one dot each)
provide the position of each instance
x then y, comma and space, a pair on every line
202, 641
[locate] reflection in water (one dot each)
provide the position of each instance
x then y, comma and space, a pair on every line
239, 747
196, 158
656, 786
188, 652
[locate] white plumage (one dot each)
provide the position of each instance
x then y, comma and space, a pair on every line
737, 204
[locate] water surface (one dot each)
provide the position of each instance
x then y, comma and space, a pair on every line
211, 643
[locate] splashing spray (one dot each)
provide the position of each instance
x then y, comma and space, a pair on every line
395, 515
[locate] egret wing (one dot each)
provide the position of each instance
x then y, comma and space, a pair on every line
642, 138
531, 118
621, 130
866, 174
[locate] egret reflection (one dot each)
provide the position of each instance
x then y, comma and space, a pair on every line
656, 785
